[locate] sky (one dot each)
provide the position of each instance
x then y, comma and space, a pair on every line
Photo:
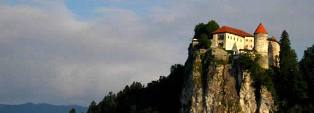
76, 51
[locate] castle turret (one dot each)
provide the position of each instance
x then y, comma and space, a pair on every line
261, 45
273, 52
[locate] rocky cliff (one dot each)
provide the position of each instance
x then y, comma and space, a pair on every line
214, 85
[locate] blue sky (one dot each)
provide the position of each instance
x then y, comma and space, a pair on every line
87, 9
76, 51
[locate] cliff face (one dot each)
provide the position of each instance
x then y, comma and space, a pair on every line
214, 86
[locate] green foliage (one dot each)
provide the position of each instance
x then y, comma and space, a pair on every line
207, 29
72, 111
290, 85
211, 26
108, 104
307, 69
203, 32
161, 96
247, 61
288, 58
199, 29
92, 108
204, 41
260, 76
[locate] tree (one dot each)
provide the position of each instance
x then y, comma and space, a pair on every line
92, 108
108, 104
288, 58
307, 70
199, 29
207, 29
290, 84
72, 111
211, 27
204, 41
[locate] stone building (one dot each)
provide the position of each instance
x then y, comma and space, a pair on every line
274, 49
261, 45
238, 41
230, 38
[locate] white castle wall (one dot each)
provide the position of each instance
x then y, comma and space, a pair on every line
231, 40
249, 43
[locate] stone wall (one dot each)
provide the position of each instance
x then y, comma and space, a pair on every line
261, 47
220, 54
273, 50
214, 41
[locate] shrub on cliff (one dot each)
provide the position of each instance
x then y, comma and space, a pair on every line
204, 41
207, 29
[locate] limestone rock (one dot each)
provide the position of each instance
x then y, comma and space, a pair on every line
267, 103
247, 95
210, 87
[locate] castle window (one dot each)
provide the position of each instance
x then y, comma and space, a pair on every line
220, 37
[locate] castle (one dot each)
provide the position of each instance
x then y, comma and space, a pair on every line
239, 41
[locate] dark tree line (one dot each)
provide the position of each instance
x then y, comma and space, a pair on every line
307, 70
161, 96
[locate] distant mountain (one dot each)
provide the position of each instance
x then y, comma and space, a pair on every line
40, 108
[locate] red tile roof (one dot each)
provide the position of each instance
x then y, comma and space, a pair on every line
260, 29
227, 29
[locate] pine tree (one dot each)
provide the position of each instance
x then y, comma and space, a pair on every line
291, 86
288, 58
307, 69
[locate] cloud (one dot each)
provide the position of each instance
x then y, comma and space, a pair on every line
48, 55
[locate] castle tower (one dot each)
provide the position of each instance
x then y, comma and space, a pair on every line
273, 52
261, 45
